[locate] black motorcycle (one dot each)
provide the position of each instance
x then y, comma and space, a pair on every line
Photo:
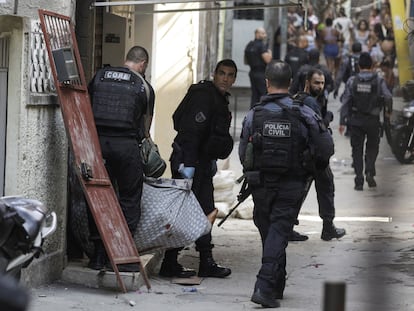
403, 135
24, 224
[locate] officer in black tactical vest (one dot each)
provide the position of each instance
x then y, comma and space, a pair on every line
202, 121
257, 54
122, 103
298, 56
365, 95
289, 140
349, 67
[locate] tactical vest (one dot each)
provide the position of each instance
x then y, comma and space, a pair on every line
278, 140
119, 99
253, 56
365, 95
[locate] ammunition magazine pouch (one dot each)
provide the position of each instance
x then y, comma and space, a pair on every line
253, 178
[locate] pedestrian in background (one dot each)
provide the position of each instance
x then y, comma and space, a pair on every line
313, 96
279, 133
297, 55
121, 104
257, 54
330, 38
365, 95
202, 121
345, 26
349, 67
361, 34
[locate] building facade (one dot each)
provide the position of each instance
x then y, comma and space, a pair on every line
183, 46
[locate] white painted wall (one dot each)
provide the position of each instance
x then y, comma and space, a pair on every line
175, 51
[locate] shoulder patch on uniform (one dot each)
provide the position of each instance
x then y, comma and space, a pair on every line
200, 117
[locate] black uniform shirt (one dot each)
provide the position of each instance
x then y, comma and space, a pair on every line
207, 110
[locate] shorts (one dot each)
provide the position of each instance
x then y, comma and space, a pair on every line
331, 50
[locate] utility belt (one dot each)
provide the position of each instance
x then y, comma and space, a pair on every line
271, 180
371, 114
116, 132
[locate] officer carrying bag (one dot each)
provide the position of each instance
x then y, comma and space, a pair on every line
153, 164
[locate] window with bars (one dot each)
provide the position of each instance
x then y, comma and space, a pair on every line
250, 14
41, 80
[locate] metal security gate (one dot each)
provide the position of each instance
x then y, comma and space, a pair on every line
76, 109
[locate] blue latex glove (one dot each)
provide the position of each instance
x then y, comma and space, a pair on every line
186, 171
213, 167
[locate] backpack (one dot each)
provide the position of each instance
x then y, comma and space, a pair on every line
352, 67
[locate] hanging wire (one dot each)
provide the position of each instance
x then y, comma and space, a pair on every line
408, 27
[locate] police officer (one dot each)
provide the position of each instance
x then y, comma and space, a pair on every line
365, 95
280, 134
349, 67
121, 106
202, 121
257, 54
298, 56
313, 96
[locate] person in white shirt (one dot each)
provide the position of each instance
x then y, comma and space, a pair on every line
345, 26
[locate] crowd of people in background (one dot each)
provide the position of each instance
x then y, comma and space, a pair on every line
334, 34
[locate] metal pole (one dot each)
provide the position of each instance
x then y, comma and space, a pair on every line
138, 2
334, 299
247, 7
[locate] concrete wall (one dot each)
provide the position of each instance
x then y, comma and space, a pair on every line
29, 8
36, 145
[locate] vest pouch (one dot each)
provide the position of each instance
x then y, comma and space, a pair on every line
275, 160
114, 111
253, 178
248, 161
118, 99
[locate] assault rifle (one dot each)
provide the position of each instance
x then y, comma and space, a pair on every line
241, 197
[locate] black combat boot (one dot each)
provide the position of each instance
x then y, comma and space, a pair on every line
359, 183
370, 180
330, 232
99, 257
174, 269
267, 300
298, 237
171, 268
209, 268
